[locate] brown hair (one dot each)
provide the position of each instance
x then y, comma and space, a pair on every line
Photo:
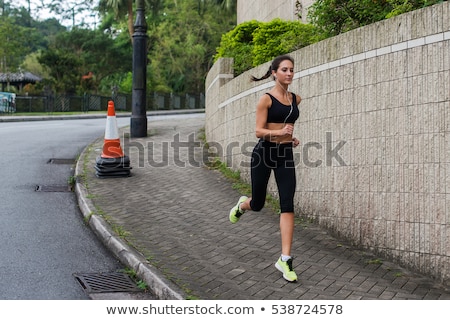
274, 66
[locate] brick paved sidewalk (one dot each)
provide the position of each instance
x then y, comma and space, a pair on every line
176, 214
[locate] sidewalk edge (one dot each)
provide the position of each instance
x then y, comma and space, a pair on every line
158, 284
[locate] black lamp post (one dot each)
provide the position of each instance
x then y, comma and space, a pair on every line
138, 124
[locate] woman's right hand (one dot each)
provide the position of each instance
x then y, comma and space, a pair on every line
287, 130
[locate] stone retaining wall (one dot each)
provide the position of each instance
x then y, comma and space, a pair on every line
374, 164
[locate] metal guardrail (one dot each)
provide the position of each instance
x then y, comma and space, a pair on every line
64, 103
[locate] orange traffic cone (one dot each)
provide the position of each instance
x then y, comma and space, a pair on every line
111, 145
112, 162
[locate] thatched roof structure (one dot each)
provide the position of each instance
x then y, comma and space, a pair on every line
18, 79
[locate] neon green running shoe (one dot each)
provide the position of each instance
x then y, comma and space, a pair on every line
286, 267
236, 212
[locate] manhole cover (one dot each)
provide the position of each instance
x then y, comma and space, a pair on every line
106, 282
61, 161
62, 188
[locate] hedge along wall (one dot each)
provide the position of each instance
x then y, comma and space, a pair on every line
374, 164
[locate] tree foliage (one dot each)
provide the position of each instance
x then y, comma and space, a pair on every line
182, 45
76, 11
79, 60
118, 9
13, 44
403, 6
64, 69
184, 39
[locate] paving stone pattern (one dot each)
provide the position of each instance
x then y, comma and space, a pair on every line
175, 211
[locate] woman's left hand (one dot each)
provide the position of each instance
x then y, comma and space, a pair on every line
295, 142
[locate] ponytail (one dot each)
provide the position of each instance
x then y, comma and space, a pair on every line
268, 74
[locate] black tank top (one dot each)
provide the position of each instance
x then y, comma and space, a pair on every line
282, 113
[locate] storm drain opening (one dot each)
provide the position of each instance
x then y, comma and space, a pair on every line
61, 161
55, 188
106, 282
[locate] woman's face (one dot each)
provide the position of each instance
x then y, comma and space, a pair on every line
285, 72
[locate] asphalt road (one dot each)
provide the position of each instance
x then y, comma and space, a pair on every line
44, 240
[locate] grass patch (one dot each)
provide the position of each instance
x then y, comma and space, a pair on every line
375, 261
133, 275
72, 180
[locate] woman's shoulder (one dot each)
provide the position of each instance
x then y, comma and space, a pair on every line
266, 97
265, 101
297, 97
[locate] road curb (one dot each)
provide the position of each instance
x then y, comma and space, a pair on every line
95, 116
158, 285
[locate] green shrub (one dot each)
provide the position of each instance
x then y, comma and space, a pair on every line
279, 37
252, 43
238, 44
333, 17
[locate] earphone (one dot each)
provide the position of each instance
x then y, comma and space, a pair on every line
290, 101
290, 112
287, 95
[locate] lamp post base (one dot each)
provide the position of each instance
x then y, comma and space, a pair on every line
138, 127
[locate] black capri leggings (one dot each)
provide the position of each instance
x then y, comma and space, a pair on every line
268, 156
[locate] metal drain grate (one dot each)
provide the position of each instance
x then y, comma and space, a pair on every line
61, 161
106, 282
61, 188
